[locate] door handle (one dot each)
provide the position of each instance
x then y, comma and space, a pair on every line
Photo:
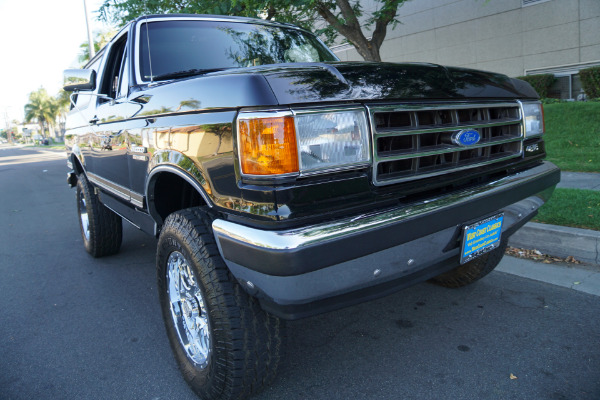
94, 120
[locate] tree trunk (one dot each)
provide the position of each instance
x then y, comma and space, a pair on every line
368, 51
350, 27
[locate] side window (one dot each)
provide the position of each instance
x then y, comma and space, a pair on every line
112, 69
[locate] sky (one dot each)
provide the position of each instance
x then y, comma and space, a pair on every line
38, 40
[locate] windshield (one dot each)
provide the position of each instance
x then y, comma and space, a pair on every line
184, 45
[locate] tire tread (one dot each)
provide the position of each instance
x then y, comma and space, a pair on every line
249, 353
106, 227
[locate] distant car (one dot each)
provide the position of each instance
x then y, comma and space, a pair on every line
3, 141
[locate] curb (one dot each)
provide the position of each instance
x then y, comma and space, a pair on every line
559, 241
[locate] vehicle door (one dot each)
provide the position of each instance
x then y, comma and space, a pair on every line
113, 123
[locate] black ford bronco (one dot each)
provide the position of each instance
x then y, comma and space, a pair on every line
282, 183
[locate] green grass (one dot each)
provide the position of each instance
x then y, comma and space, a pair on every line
573, 135
572, 207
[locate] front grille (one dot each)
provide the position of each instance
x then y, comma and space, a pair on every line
416, 141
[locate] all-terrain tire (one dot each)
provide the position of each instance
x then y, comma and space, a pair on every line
239, 345
473, 270
101, 228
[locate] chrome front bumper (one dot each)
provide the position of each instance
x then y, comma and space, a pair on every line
307, 264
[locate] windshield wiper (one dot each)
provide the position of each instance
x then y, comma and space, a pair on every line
183, 74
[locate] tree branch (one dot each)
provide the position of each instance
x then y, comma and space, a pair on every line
383, 21
271, 11
348, 14
350, 30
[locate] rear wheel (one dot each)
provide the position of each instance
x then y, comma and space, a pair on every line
226, 346
473, 270
101, 228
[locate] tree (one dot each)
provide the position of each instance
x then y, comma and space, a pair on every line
100, 41
42, 108
328, 18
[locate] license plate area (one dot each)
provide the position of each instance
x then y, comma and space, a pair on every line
481, 237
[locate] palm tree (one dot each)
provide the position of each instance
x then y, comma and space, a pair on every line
63, 103
42, 108
100, 41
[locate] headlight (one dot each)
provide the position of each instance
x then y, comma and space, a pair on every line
302, 142
332, 140
533, 114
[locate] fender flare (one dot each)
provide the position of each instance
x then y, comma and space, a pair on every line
173, 162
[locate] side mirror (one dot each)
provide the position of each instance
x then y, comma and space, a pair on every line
79, 79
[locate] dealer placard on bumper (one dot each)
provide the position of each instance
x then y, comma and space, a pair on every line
481, 237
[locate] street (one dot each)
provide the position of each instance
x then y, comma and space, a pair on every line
75, 327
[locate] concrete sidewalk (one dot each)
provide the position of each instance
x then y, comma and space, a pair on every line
579, 180
562, 241
576, 277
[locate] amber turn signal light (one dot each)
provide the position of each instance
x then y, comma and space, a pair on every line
268, 146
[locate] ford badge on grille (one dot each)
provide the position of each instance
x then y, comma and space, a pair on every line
466, 137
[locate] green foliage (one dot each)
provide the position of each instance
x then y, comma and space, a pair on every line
548, 100
100, 41
590, 80
573, 135
541, 83
326, 18
572, 207
42, 108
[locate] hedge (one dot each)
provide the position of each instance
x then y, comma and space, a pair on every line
541, 83
590, 80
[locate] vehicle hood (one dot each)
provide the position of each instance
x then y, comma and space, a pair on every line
317, 83
352, 81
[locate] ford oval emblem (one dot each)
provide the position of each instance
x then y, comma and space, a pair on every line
466, 137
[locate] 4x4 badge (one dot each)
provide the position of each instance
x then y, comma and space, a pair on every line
466, 137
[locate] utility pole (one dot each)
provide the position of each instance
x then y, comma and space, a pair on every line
89, 32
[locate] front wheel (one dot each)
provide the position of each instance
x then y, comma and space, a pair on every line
473, 270
226, 346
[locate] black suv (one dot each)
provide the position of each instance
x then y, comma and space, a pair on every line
282, 183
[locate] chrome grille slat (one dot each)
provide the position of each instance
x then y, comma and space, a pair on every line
415, 141
445, 150
389, 131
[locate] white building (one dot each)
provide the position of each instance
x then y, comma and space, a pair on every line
513, 37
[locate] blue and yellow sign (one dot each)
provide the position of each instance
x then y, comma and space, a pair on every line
481, 237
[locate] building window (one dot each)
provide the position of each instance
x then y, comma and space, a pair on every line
532, 2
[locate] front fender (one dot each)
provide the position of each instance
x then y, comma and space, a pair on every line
173, 162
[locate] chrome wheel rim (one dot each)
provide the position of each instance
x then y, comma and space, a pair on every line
188, 310
83, 216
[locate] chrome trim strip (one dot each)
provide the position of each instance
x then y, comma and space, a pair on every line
118, 190
385, 182
320, 234
181, 174
110, 186
444, 128
137, 199
448, 149
437, 106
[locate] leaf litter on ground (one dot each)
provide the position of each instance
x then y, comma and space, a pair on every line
537, 255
